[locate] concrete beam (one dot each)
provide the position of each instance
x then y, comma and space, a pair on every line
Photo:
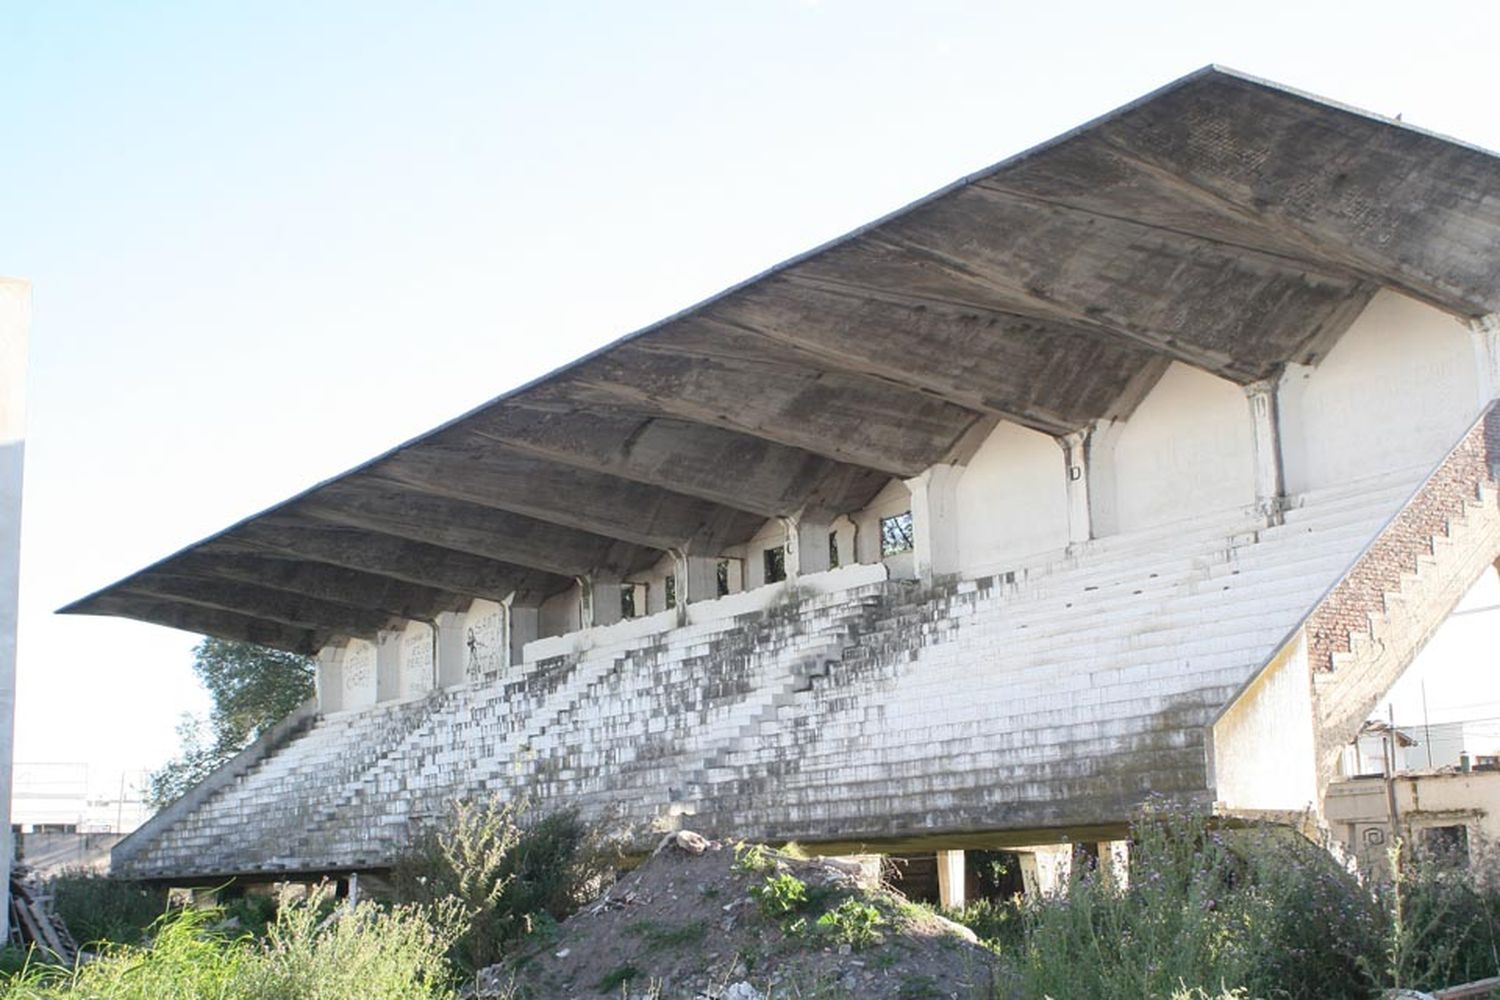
208, 621
391, 509
1003, 364
1410, 209
493, 475
414, 562
690, 458
296, 610
1237, 313
397, 598
847, 418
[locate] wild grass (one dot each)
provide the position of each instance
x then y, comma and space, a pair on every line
363, 951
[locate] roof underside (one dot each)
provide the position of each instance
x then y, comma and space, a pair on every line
1222, 222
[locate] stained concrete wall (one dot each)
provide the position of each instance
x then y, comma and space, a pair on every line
1394, 393
1011, 499
358, 671
15, 328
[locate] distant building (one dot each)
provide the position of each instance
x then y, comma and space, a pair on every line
15, 330
1135, 468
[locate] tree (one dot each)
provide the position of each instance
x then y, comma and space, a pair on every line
252, 688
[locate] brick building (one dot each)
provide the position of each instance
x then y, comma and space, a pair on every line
1140, 464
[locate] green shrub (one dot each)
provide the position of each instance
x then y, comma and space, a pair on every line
514, 874
97, 908
852, 923
780, 895
364, 951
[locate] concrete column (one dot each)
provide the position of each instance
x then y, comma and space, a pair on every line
934, 516
523, 623
601, 599
1265, 428
1076, 469
1100, 481
15, 328
806, 544
697, 580
1485, 333
950, 871
450, 651
330, 679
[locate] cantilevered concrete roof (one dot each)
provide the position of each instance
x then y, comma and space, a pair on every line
1222, 221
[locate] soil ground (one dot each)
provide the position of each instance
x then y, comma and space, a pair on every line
702, 925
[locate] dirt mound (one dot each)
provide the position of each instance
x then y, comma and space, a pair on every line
706, 920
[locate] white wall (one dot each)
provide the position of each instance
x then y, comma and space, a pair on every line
1395, 392
1264, 754
1186, 450
562, 613
358, 662
1012, 498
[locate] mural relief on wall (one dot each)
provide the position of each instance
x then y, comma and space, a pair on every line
417, 661
483, 638
359, 667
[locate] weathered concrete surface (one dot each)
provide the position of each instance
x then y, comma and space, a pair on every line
15, 331
1221, 222
886, 714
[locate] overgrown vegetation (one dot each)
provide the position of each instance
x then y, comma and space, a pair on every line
1202, 914
364, 951
96, 907
1255, 912
514, 872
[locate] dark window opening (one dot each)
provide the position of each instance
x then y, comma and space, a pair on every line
896, 535
627, 601
833, 550
721, 575
775, 563
669, 590
1447, 844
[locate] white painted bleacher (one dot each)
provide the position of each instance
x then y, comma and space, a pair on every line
1006, 693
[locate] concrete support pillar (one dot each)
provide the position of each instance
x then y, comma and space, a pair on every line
450, 652
388, 665
1485, 332
1100, 481
1114, 862
523, 623
1265, 428
807, 544
1076, 468
15, 329
697, 580
601, 599
329, 680
934, 517
951, 876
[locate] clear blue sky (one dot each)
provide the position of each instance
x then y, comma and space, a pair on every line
272, 239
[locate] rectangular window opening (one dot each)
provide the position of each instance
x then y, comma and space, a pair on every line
833, 550
896, 534
669, 590
775, 564
721, 576
627, 600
